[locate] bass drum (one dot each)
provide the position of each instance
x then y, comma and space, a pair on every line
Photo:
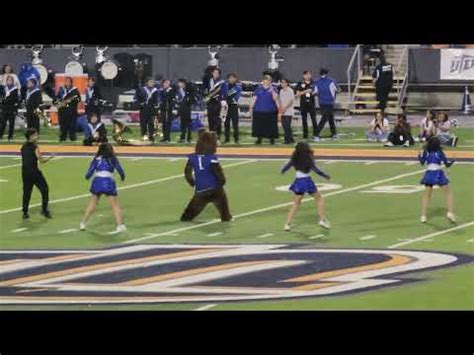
43, 72
109, 70
74, 68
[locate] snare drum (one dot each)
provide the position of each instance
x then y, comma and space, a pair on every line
74, 68
109, 69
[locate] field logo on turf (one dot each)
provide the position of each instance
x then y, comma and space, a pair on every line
203, 273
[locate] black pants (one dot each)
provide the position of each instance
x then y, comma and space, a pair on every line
213, 116
166, 118
305, 111
327, 115
7, 117
185, 117
35, 179
201, 199
32, 121
67, 125
400, 138
382, 91
287, 131
146, 123
232, 116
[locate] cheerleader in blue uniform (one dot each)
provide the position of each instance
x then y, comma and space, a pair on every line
103, 166
433, 156
303, 162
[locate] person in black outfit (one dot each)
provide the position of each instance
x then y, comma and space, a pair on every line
211, 84
304, 90
401, 134
33, 100
93, 99
185, 98
167, 103
69, 97
10, 107
98, 133
32, 176
230, 94
383, 79
147, 100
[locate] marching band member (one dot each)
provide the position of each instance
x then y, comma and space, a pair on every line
69, 98
93, 97
167, 102
230, 95
102, 167
10, 107
212, 85
147, 99
96, 131
31, 175
185, 98
304, 90
33, 100
264, 111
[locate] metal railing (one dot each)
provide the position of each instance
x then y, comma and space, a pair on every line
357, 54
402, 91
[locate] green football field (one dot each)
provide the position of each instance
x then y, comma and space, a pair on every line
371, 205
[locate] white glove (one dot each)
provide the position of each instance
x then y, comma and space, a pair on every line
224, 103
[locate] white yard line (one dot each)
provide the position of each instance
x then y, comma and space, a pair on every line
206, 307
414, 240
274, 207
67, 231
19, 230
368, 237
9, 166
370, 162
470, 240
317, 236
14, 165
123, 187
214, 234
265, 235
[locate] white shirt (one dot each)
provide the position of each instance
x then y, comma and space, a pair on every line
286, 96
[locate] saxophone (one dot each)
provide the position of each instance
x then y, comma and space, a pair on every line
213, 93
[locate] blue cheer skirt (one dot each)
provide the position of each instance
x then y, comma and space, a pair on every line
303, 186
103, 186
434, 177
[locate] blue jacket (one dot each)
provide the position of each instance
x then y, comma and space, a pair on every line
326, 89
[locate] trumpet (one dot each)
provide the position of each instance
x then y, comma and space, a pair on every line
156, 125
44, 119
63, 103
223, 112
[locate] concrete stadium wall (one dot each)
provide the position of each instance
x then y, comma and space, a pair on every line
247, 62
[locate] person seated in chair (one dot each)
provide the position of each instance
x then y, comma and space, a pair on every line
96, 133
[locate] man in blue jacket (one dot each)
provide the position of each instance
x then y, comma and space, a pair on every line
326, 89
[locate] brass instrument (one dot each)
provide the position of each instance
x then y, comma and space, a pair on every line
63, 103
156, 124
213, 93
119, 129
44, 119
223, 112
